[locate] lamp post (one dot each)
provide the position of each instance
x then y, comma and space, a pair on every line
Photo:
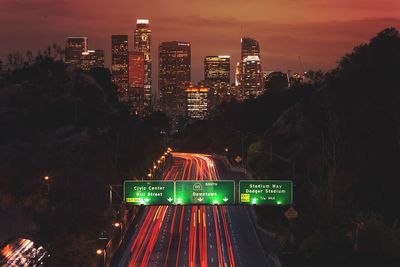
282, 158
118, 225
102, 252
46, 180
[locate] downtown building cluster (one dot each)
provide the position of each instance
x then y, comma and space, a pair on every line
176, 96
77, 53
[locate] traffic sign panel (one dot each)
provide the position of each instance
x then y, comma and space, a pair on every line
291, 213
266, 192
208, 192
149, 192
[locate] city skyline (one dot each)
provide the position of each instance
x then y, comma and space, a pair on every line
285, 30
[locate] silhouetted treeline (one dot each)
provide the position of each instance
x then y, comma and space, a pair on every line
338, 137
67, 124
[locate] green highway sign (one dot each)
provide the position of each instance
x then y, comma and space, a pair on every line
207, 192
149, 192
266, 192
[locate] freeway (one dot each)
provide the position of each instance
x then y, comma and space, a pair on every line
196, 235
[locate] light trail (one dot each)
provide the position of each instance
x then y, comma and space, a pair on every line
188, 241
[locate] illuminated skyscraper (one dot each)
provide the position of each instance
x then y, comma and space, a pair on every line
249, 76
74, 48
119, 64
142, 37
136, 81
217, 75
252, 77
197, 102
174, 76
92, 59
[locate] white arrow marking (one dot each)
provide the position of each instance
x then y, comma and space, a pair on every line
200, 199
225, 199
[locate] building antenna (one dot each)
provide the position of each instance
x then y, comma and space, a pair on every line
302, 66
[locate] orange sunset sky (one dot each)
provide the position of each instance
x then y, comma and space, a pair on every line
320, 31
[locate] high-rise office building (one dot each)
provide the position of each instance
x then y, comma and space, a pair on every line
217, 75
74, 48
249, 76
197, 102
92, 59
119, 64
142, 43
250, 47
136, 76
252, 77
174, 76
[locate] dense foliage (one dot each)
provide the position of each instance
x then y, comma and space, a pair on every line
337, 136
67, 124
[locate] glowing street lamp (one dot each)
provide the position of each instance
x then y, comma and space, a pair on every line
118, 225
102, 252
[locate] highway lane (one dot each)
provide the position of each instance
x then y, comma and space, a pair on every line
193, 235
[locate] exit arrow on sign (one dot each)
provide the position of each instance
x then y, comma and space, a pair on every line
200, 199
225, 199
169, 199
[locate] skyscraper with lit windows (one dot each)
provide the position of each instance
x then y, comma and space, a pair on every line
197, 102
174, 76
136, 76
251, 85
119, 64
92, 59
74, 48
249, 76
217, 75
142, 43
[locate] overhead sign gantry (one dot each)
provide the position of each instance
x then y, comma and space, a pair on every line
208, 192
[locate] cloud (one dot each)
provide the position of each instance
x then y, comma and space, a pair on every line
32, 8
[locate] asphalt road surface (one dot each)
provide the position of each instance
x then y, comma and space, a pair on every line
197, 235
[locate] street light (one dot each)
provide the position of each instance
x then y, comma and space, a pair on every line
282, 158
118, 225
47, 182
102, 252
